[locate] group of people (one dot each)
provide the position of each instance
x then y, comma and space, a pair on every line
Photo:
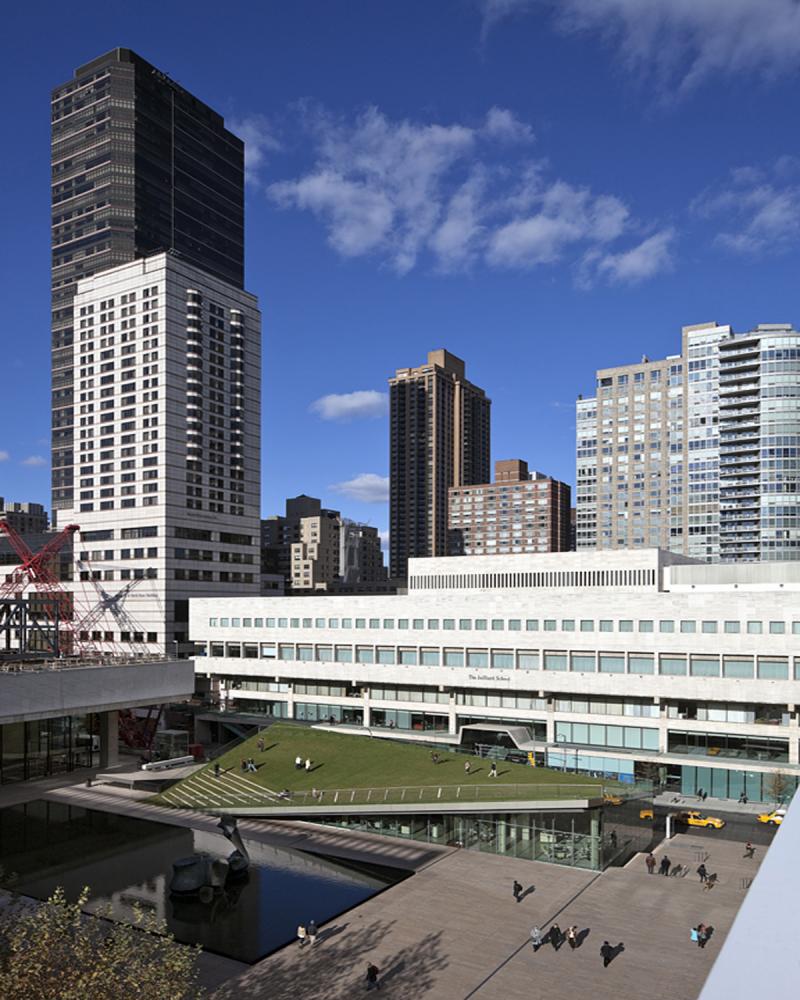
248, 764
307, 933
666, 867
300, 764
556, 937
700, 935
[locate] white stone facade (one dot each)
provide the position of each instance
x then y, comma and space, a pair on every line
613, 655
167, 444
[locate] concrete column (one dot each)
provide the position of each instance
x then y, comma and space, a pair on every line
109, 739
594, 839
290, 702
367, 712
452, 722
663, 728
794, 754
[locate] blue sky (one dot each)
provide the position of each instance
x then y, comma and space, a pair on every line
543, 188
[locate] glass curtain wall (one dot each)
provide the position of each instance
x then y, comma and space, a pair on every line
48, 746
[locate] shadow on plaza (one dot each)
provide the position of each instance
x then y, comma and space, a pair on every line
336, 966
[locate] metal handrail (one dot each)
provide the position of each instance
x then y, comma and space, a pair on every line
464, 792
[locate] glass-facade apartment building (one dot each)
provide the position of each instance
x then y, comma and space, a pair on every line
636, 665
696, 453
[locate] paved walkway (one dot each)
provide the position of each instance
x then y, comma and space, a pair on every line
454, 932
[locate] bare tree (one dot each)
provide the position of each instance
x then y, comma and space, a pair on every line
777, 785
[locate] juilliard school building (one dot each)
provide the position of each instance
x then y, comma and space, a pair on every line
633, 665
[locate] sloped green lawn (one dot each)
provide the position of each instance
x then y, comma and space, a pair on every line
341, 762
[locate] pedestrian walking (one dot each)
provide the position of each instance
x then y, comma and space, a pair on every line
243, 764
308, 764
298, 762
702, 871
312, 931
517, 890
555, 937
749, 850
466, 767
650, 861
536, 938
434, 757
372, 977
704, 795
493, 770
710, 882
216, 769
664, 866
572, 937
743, 799
260, 744
702, 935
608, 953
302, 934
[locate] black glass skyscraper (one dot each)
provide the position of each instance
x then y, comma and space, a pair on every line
139, 165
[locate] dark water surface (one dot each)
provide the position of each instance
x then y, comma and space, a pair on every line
128, 861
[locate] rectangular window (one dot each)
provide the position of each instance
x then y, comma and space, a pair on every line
480, 624
498, 624
733, 628
704, 666
477, 658
365, 654
528, 661
532, 625
583, 663
754, 628
688, 626
401, 623
433, 623
587, 625
606, 625
640, 664
549, 624
388, 622
666, 626
773, 669
612, 664
555, 661
454, 657
503, 659
325, 654
738, 666
448, 623
626, 625
286, 651
385, 654
672, 666
567, 624
344, 654
305, 653
777, 628
646, 626
465, 624
429, 657
709, 627
408, 657
514, 624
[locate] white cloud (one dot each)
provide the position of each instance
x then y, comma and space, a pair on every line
384, 537
679, 42
456, 241
759, 209
376, 183
4, 456
366, 487
259, 140
351, 405
504, 124
650, 257
35, 460
564, 215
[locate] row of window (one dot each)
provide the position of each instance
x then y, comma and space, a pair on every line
668, 625
665, 664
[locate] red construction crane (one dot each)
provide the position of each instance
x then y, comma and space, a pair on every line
36, 569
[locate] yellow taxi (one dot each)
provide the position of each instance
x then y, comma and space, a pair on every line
775, 817
646, 813
693, 818
612, 800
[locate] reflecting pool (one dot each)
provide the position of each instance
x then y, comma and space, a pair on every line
128, 862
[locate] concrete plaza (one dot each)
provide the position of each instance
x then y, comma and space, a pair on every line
454, 931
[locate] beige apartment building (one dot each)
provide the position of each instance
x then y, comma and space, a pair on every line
316, 549
439, 438
521, 511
